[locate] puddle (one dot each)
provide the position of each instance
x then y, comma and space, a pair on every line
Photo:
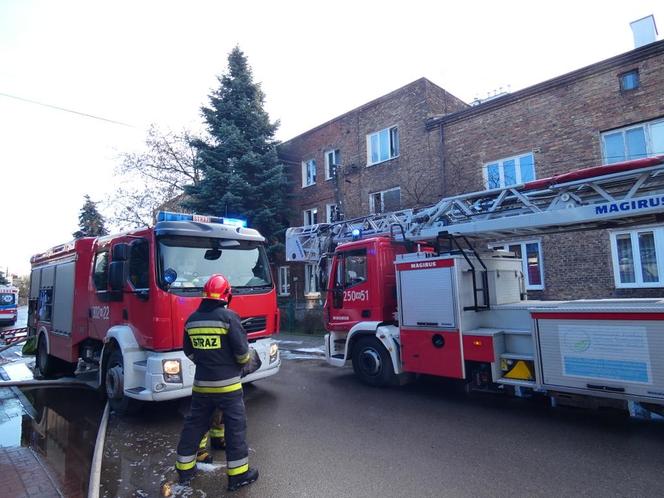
18, 371
61, 430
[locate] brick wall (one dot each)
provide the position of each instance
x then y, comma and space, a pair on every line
561, 123
417, 170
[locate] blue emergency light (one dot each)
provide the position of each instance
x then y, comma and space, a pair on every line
356, 233
168, 216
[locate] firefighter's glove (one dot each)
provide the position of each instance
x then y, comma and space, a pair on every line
252, 365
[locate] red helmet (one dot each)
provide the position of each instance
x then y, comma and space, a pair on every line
217, 287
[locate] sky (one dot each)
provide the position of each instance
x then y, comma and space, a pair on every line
136, 63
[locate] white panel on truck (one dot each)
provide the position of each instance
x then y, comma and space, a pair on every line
63, 299
427, 298
613, 356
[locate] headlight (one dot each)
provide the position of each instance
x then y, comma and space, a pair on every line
171, 367
274, 351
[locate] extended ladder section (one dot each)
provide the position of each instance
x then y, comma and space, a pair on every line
608, 196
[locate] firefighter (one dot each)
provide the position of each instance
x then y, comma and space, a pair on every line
216, 342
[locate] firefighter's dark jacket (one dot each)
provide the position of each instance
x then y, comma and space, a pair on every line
216, 342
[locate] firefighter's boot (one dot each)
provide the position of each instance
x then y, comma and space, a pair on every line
202, 454
237, 481
185, 476
217, 440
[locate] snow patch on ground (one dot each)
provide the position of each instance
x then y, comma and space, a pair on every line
280, 341
209, 467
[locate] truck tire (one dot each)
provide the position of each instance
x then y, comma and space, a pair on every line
44, 362
114, 386
372, 363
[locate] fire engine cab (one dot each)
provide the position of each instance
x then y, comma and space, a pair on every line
118, 303
409, 293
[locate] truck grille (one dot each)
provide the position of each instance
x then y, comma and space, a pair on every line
254, 323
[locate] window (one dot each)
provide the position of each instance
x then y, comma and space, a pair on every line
352, 269
509, 171
308, 172
311, 216
284, 281
310, 281
629, 80
385, 201
139, 264
637, 257
633, 142
100, 276
331, 213
382, 145
332, 160
532, 265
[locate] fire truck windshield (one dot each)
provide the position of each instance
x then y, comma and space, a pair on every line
194, 259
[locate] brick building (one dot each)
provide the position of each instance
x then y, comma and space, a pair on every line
383, 158
394, 153
604, 113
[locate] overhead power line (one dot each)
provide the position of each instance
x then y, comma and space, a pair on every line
65, 110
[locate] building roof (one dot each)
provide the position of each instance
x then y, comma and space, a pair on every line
635, 55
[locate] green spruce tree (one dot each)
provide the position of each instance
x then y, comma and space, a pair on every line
90, 221
242, 176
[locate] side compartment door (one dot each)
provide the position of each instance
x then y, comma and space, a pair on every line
430, 336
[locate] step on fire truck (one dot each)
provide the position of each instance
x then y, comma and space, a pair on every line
408, 292
8, 304
118, 303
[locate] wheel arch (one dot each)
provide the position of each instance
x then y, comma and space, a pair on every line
387, 334
118, 337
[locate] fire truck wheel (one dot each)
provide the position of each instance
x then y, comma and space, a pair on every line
372, 363
45, 363
114, 380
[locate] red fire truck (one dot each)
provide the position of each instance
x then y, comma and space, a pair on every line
8, 304
409, 293
118, 303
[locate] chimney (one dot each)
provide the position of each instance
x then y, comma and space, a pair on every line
644, 31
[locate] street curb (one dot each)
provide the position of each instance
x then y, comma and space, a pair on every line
95, 468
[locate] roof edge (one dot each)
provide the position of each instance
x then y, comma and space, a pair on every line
640, 53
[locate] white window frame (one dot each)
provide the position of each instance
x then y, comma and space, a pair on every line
394, 150
309, 270
308, 216
658, 233
524, 259
334, 153
372, 207
647, 126
305, 173
283, 279
328, 212
501, 169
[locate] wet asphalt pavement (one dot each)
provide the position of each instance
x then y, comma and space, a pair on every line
315, 431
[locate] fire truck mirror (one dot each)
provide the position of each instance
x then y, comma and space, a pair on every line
116, 275
120, 252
